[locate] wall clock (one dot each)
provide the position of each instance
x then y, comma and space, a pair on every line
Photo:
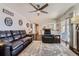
20, 22
8, 21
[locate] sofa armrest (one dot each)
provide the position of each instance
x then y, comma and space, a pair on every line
8, 48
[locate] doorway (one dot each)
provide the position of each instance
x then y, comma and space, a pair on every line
37, 36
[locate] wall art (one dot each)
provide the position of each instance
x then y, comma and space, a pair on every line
27, 24
8, 12
20, 22
31, 25
8, 21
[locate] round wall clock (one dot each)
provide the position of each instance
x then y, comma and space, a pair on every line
8, 21
20, 22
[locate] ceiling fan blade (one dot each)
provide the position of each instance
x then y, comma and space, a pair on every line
33, 11
43, 6
33, 6
44, 12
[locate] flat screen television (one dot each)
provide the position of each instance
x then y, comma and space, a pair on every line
47, 31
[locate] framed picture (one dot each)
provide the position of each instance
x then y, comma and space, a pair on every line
27, 24
31, 25
8, 21
20, 22
8, 12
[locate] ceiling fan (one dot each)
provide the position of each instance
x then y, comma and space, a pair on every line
39, 9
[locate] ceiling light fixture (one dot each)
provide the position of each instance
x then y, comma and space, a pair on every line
38, 13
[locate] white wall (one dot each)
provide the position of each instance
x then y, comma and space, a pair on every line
15, 19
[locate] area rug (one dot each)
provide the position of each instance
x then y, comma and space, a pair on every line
37, 48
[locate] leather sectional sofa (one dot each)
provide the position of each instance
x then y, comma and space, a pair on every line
15, 41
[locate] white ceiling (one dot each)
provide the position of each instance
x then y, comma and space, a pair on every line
54, 10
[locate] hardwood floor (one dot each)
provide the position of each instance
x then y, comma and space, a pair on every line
37, 48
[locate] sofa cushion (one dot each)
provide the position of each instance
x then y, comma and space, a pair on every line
16, 51
17, 37
26, 39
16, 44
9, 39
